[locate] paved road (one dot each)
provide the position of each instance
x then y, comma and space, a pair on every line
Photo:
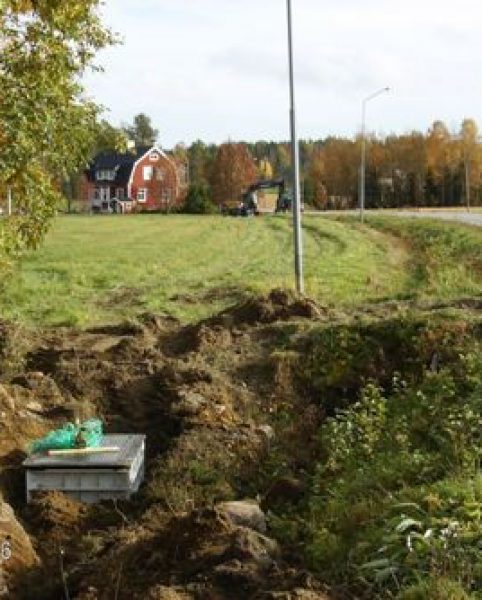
473, 218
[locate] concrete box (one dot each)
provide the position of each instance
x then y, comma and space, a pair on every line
90, 478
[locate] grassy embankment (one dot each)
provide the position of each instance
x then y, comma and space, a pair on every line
446, 258
393, 500
393, 490
93, 270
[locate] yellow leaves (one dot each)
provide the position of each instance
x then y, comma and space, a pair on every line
18, 6
74, 9
469, 131
432, 502
265, 169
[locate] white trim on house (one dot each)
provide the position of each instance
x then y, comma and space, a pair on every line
141, 158
148, 172
105, 174
104, 193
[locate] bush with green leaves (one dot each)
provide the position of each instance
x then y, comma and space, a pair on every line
395, 491
434, 589
377, 509
198, 201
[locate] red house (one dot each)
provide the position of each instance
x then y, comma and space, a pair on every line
147, 180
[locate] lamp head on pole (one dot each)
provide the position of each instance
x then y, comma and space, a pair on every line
377, 93
363, 149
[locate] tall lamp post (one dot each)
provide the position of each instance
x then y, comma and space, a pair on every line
295, 161
363, 148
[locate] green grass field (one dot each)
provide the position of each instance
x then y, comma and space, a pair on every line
105, 269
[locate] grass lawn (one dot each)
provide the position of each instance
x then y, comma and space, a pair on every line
104, 269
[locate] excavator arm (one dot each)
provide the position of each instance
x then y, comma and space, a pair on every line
266, 184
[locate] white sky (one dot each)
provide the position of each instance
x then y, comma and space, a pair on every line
217, 69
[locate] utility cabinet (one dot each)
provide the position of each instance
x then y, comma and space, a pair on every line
91, 478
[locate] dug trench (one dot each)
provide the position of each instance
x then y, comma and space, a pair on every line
231, 408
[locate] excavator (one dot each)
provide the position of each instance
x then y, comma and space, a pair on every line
283, 202
249, 203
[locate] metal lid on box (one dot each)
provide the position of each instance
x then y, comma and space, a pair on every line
129, 446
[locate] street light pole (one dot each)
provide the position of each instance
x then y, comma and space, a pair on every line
363, 150
295, 161
467, 177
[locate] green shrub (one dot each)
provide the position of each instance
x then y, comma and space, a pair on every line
434, 589
198, 201
395, 494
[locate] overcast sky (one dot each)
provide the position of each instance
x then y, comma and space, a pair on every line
217, 69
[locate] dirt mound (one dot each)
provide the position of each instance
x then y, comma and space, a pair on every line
279, 305
232, 409
222, 329
55, 514
16, 551
201, 553
205, 396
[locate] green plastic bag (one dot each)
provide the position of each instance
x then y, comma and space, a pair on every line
88, 434
91, 433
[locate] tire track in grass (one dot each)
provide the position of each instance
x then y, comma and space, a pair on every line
357, 269
274, 259
225, 275
106, 261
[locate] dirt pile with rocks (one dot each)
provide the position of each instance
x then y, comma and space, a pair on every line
17, 554
207, 397
201, 554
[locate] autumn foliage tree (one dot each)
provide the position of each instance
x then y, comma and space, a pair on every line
470, 156
265, 170
233, 171
46, 123
314, 184
437, 167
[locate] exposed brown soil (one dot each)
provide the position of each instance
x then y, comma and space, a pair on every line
207, 397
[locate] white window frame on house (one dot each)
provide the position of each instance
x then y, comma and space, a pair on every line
154, 156
120, 193
147, 172
105, 175
104, 194
159, 174
142, 195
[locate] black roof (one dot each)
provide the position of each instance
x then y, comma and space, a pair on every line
122, 162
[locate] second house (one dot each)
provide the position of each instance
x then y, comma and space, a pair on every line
147, 179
